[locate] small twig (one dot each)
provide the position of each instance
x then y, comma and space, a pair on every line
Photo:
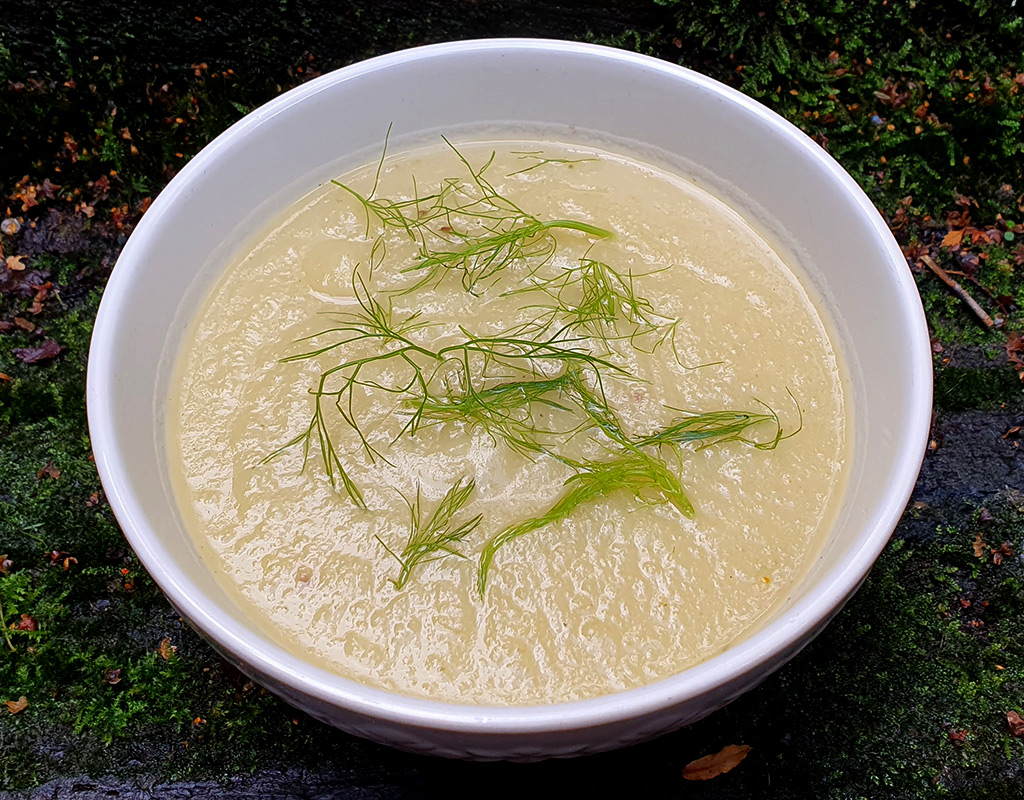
959, 291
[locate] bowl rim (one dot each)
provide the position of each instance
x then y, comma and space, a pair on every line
782, 636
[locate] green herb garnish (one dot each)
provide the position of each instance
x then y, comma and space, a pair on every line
559, 360
646, 477
435, 537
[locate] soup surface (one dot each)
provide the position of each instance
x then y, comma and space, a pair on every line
525, 508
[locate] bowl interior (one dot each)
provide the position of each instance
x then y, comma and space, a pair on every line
781, 181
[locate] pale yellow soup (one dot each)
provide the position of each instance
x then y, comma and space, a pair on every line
619, 593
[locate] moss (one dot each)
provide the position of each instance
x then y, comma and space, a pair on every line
914, 99
962, 388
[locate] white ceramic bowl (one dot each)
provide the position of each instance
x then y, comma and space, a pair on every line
787, 185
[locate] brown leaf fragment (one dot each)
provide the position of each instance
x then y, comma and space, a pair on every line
5, 564
957, 737
166, 649
112, 676
49, 471
999, 553
1013, 433
24, 324
27, 623
57, 555
15, 263
33, 355
1015, 722
17, 706
1015, 350
952, 239
979, 546
1007, 303
5, 377
708, 767
47, 189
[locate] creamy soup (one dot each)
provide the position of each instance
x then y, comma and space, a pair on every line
579, 427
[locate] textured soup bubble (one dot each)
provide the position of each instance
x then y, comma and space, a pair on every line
616, 594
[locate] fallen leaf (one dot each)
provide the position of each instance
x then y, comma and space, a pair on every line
16, 263
1016, 723
968, 262
27, 623
952, 239
1001, 552
24, 324
1007, 303
708, 767
1015, 350
33, 355
112, 676
166, 649
22, 282
5, 377
49, 471
17, 706
5, 564
958, 737
979, 546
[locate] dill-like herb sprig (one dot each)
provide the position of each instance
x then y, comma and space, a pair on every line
541, 161
645, 477
434, 537
718, 427
467, 228
559, 360
504, 410
520, 240
594, 297
392, 341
